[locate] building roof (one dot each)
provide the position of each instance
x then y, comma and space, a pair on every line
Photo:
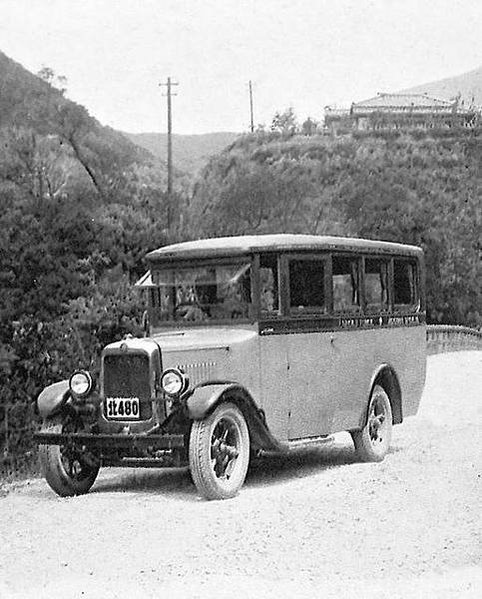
332, 111
249, 244
403, 101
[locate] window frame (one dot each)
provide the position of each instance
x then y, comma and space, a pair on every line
358, 309
180, 264
373, 309
310, 311
416, 304
256, 287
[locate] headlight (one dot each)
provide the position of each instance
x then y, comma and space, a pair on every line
80, 383
174, 381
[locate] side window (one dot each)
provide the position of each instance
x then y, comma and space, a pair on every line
404, 282
161, 299
268, 285
346, 284
376, 284
307, 291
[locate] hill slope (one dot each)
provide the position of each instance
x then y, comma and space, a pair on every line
190, 152
28, 100
391, 185
469, 85
33, 109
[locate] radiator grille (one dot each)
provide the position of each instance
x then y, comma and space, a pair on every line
127, 375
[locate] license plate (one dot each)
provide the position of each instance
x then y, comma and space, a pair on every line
122, 408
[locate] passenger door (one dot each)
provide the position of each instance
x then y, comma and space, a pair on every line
310, 361
275, 397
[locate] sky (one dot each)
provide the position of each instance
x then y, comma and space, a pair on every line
303, 54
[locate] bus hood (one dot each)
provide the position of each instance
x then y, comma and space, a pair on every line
203, 338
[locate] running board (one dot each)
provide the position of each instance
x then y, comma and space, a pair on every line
299, 445
310, 442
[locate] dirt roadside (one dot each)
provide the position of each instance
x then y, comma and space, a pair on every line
315, 525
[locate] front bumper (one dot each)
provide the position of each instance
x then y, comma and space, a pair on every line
111, 441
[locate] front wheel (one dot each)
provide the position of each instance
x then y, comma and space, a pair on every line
373, 440
68, 470
219, 452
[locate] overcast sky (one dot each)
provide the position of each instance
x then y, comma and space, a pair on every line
303, 54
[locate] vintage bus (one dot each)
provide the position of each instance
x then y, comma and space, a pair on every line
252, 344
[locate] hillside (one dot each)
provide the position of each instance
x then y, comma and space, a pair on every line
27, 100
404, 186
58, 141
190, 152
469, 85
80, 205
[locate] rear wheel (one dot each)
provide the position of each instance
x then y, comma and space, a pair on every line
68, 470
372, 441
219, 452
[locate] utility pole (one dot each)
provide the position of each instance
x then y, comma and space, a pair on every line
251, 105
169, 93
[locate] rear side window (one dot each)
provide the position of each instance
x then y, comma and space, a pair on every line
404, 282
376, 284
346, 284
307, 285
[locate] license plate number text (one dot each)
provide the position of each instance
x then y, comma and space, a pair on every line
122, 408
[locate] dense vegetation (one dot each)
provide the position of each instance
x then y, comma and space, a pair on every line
420, 187
81, 205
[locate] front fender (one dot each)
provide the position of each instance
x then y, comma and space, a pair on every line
52, 399
203, 399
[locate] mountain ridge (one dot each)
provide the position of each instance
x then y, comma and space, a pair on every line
468, 85
191, 152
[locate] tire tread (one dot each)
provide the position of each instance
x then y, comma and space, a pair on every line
199, 456
53, 470
361, 440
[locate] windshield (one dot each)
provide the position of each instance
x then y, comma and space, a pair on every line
201, 293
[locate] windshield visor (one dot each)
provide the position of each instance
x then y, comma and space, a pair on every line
203, 293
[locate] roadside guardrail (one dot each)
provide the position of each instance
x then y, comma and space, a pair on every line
443, 338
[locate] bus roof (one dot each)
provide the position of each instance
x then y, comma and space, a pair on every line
249, 244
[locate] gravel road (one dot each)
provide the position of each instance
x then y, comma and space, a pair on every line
316, 524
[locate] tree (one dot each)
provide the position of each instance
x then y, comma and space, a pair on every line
58, 81
394, 186
285, 122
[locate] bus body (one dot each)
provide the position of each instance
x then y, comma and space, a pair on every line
254, 343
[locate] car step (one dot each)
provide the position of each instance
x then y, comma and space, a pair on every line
311, 442
299, 445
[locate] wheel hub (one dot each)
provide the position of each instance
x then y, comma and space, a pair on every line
376, 425
223, 453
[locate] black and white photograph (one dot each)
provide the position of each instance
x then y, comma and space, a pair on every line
241, 299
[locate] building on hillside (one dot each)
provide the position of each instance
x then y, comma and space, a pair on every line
397, 111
